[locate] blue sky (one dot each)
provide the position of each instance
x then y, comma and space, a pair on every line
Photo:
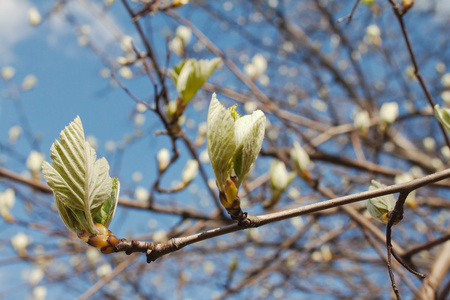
69, 84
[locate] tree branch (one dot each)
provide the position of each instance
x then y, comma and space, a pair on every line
154, 251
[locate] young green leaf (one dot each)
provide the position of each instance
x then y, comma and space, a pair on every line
249, 132
233, 145
80, 183
191, 74
443, 116
106, 211
380, 207
221, 140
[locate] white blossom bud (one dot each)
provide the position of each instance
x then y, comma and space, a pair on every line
250, 106
279, 176
8, 72
104, 270
126, 72
445, 150
35, 276
140, 107
373, 34
29, 82
184, 33
251, 71
122, 60
445, 80
20, 242
7, 199
93, 256
204, 157
362, 121
139, 119
256, 67
126, 43
163, 158
34, 17
389, 112
429, 144
14, 134
160, 236
445, 95
34, 161
190, 171
264, 80
260, 63
141, 194
176, 45
39, 293
300, 158
373, 30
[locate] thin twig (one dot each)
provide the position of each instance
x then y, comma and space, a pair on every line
349, 16
394, 217
426, 246
399, 259
389, 263
117, 270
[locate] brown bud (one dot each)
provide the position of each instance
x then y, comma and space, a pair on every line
406, 5
104, 240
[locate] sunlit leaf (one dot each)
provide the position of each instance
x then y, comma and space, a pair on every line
79, 181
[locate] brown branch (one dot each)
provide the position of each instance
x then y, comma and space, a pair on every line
389, 263
394, 217
172, 210
395, 267
426, 246
154, 251
18, 178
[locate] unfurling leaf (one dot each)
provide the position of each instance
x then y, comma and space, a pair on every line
234, 143
380, 207
83, 190
221, 140
190, 75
